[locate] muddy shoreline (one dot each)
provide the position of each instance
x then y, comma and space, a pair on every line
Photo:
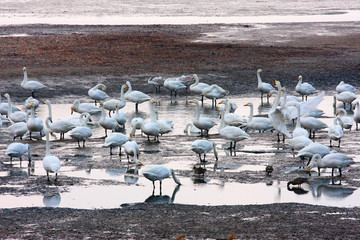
70, 59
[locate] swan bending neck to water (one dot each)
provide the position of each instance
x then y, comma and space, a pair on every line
158, 173
332, 160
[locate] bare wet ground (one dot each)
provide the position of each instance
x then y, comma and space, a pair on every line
135, 53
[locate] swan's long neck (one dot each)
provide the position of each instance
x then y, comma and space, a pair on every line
25, 78
130, 88
29, 152
49, 108
9, 104
222, 122
135, 126
251, 112
187, 127
259, 78
285, 98
48, 153
103, 115
32, 112
152, 113
122, 97
196, 81
176, 180
227, 107
299, 82
298, 125
197, 115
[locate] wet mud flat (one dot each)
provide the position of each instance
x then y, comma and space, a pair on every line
115, 54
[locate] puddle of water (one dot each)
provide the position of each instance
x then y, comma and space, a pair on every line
192, 191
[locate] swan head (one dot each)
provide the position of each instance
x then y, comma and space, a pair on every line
72, 110
101, 103
248, 104
24, 69
116, 104
300, 77
259, 70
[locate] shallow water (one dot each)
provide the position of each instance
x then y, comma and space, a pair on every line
125, 188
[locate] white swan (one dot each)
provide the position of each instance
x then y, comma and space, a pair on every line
313, 148
158, 173
59, 126
257, 123
231, 119
83, 132
14, 116
343, 87
263, 87
136, 97
204, 124
335, 131
17, 130
304, 89
299, 131
346, 97
115, 140
31, 85
299, 142
136, 120
51, 163
346, 121
110, 104
187, 80
190, 127
332, 160
4, 107
173, 86
34, 124
120, 117
84, 107
107, 122
203, 147
132, 150
166, 126
214, 92
198, 87
32, 100
150, 128
97, 92
157, 82
234, 134
312, 124
356, 116
18, 150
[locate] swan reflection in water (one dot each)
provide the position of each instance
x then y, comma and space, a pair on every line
328, 187
132, 174
52, 198
163, 198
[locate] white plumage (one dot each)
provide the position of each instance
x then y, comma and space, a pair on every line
51, 163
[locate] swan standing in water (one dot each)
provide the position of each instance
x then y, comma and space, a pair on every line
17, 130
204, 124
97, 93
203, 147
257, 123
84, 107
173, 86
136, 97
198, 87
83, 132
31, 85
263, 88
343, 87
356, 116
107, 122
304, 89
51, 163
157, 82
59, 126
18, 150
332, 160
110, 104
34, 124
116, 140
335, 131
14, 116
4, 108
159, 173
231, 119
311, 149
299, 131
234, 134
214, 92
312, 124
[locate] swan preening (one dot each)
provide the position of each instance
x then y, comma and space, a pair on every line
97, 92
31, 85
335, 131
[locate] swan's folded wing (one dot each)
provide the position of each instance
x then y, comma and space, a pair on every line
277, 119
